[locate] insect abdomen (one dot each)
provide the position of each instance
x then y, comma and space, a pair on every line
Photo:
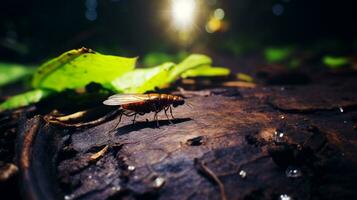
156, 102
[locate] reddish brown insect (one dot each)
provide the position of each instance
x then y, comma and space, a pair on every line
145, 103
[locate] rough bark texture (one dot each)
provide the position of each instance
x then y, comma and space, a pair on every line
253, 143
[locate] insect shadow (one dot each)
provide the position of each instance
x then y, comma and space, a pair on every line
151, 124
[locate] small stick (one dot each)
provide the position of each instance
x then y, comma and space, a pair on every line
239, 84
101, 120
202, 167
99, 153
187, 93
71, 116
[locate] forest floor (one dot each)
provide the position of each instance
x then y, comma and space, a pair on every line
293, 133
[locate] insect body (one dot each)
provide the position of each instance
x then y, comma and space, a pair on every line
145, 103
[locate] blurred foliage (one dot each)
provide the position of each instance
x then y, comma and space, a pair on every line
10, 72
239, 46
25, 99
206, 70
77, 68
277, 54
294, 63
283, 55
335, 62
157, 58
245, 77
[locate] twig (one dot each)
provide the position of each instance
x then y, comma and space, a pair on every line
203, 168
71, 116
99, 153
8, 171
239, 84
188, 93
63, 120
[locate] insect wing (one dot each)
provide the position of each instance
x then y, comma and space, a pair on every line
122, 99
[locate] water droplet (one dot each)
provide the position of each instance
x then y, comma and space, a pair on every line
345, 122
159, 182
242, 173
90, 177
293, 172
131, 168
279, 136
116, 188
69, 197
285, 197
282, 117
341, 109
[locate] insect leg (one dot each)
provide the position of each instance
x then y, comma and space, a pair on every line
156, 117
134, 118
171, 112
116, 126
165, 109
129, 114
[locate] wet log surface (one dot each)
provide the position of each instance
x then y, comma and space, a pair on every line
266, 142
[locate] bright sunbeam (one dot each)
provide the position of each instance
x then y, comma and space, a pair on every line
183, 13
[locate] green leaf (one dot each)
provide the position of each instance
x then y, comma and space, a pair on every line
142, 80
77, 68
10, 72
205, 70
24, 99
274, 54
335, 62
191, 62
245, 77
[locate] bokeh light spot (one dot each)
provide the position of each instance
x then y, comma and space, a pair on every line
219, 13
278, 9
91, 9
183, 13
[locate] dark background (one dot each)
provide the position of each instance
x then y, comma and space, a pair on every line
31, 31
